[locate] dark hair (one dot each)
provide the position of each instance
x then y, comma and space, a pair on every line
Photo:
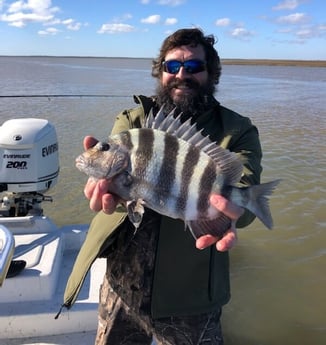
193, 37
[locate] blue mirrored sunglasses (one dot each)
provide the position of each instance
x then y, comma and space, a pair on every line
191, 66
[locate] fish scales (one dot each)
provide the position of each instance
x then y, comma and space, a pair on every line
164, 170
191, 162
144, 152
206, 185
187, 167
197, 206
173, 169
167, 174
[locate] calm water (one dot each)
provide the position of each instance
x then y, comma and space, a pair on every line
278, 276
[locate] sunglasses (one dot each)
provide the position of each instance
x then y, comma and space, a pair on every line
191, 66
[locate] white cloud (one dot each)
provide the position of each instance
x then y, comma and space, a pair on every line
48, 31
170, 21
171, 2
154, 19
20, 13
67, 21
303, 32
36, 6
115, 28
294, 18
312, 31
237, 31
287, 5
23, 12
20, 19
223, 22
322, 28
241, 33
71, 24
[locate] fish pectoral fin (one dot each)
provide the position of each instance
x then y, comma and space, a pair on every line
135, 211
215, 227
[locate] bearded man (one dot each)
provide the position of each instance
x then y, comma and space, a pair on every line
161, 284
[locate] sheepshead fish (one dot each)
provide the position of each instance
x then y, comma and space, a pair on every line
170, 167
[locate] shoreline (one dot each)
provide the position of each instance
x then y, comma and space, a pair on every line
224, 61
271, 62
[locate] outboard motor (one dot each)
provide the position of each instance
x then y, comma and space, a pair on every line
29, 165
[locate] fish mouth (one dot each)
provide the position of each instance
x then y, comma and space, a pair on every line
83, 166
80, 163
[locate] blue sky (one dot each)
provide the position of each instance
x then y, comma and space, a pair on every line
273, 29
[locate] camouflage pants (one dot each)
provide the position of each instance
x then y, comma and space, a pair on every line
125, 296
119, 325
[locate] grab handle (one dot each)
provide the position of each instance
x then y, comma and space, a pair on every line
7, 247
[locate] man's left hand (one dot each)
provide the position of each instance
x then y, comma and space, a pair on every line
230, 237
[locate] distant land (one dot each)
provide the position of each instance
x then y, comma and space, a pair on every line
225, 61
270, 62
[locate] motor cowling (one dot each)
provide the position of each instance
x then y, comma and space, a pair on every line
29, 165
29, 156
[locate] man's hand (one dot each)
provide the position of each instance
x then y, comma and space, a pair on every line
230, 237
96, 190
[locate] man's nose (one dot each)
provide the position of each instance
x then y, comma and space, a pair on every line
182, 73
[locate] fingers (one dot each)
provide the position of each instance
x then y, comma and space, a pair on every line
205, 241
97, 190
109, 203
89, 187
230, 238
94, 191
99, 198
230, 209
227, 242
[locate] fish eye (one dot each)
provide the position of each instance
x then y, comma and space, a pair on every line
104, 146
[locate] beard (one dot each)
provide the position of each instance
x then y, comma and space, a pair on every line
192, 104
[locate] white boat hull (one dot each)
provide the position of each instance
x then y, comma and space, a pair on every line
30, 301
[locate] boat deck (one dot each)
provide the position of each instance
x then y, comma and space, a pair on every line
30, 301
82, 338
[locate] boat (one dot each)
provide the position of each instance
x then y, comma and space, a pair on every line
30, 300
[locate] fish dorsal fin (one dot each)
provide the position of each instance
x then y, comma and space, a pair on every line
230, 164
172, 124
161, 121
227, 162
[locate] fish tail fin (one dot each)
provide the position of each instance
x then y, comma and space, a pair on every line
259, 203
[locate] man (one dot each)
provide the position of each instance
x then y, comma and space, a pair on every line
158, 284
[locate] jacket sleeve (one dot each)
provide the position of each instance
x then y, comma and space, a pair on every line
132, 118
122, 122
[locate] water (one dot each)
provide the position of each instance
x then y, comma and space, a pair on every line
278, 277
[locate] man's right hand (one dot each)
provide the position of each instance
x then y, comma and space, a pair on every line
96, 190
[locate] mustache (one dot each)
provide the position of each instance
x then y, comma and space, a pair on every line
190, 83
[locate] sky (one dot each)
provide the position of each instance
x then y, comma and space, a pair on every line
246, 29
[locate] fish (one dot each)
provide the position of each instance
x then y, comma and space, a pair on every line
169, 166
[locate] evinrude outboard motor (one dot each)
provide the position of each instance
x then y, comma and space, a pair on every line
29, 165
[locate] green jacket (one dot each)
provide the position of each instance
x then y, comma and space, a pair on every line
186, 280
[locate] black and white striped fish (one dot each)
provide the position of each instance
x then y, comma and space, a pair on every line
170, 167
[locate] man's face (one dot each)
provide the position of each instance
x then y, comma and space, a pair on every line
183, 84
187, 91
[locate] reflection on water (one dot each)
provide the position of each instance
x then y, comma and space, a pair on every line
278, 276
